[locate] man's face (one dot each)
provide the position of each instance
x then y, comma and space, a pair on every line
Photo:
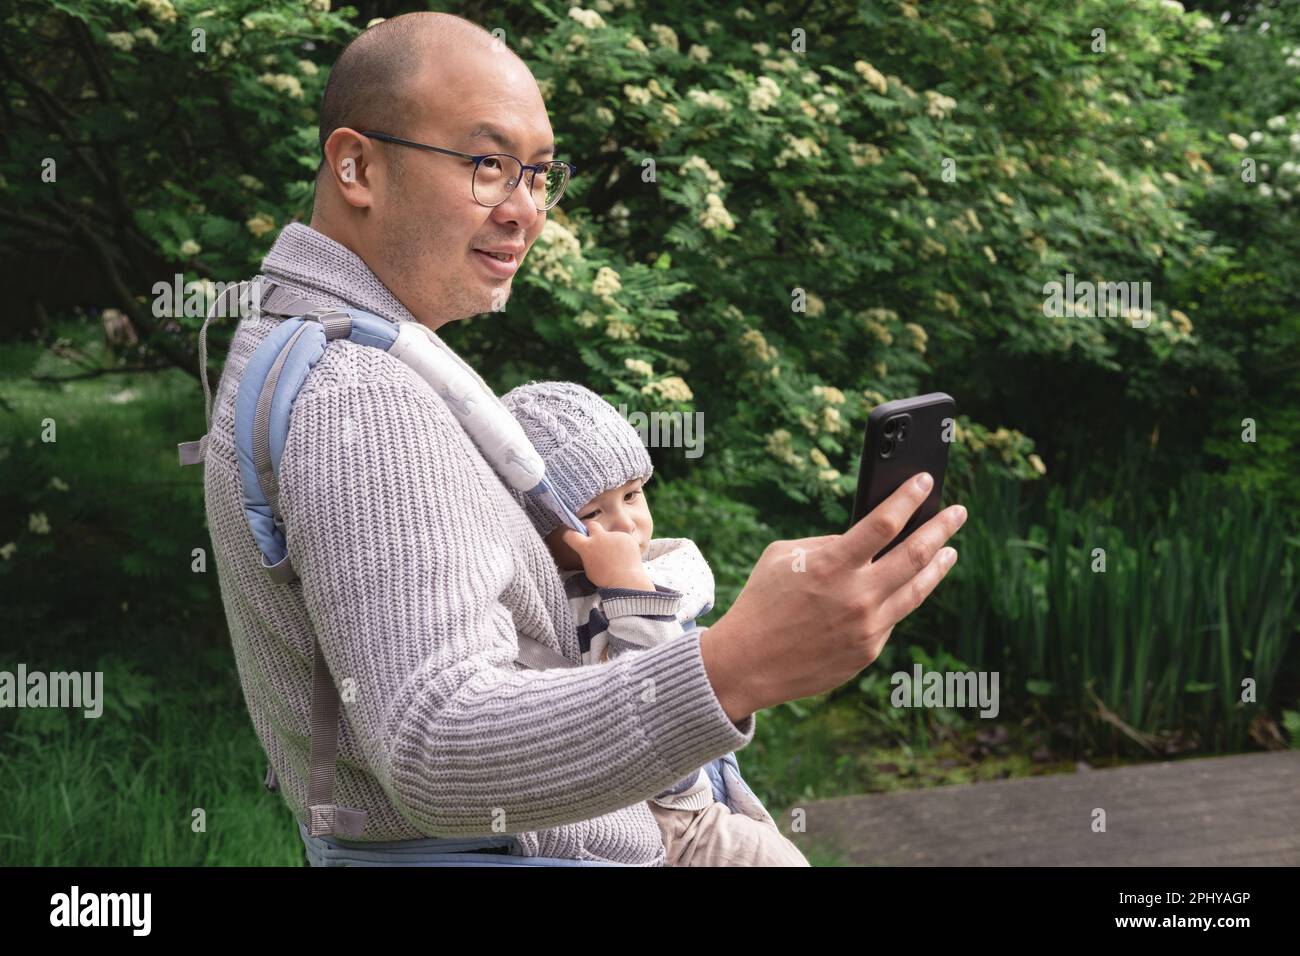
427, 225
619, 509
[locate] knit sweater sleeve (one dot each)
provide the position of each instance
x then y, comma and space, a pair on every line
403, 556
640, 619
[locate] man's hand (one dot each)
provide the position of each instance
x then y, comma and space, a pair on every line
816, 611
611, 559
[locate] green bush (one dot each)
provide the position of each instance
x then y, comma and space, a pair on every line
842, 209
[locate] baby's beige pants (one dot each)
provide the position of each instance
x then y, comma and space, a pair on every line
715, 836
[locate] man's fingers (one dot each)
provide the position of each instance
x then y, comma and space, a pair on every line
865, 539
909, 597
917, 550
809, 545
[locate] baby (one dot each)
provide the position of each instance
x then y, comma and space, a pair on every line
629, 591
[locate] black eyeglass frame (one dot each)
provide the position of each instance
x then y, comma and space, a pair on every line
476, 159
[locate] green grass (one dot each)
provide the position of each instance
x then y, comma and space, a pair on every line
109, 586
122, 517
123, 789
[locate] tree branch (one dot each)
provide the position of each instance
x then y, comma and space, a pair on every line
81, 36
157, 338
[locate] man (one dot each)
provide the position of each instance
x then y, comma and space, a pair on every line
418, 572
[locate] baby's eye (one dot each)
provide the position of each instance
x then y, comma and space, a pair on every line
588, 517
631, 494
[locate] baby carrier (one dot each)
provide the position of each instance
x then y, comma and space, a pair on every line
270, 384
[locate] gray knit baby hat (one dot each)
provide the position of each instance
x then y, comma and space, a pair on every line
588, 447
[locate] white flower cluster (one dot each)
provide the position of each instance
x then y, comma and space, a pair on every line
588, 18
780, 448
715, 215
670, 389
764, 95
636, 95
938, 105
160, 10
798, 147
260, 224
710, 174
283, 82
664, 36
755, 344
556, 248
710, 100
606, 284
865, 154
873, 76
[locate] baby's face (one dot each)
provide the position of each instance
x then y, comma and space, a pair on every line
619, 509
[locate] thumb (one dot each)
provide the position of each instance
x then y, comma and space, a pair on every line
578, 542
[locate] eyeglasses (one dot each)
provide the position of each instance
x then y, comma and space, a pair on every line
497, 174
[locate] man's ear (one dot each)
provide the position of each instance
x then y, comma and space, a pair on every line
352, 162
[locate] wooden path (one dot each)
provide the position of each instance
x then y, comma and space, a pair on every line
1241, 810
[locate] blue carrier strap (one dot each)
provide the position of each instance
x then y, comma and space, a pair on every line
267, 391
281, 364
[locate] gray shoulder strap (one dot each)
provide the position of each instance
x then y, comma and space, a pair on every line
193, 452
326, 816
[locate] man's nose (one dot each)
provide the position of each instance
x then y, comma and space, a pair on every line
518, 207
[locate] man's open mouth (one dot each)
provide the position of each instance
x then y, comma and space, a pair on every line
502, 265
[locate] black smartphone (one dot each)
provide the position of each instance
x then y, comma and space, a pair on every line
905, 437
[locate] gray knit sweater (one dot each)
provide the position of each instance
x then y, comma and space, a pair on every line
418, 570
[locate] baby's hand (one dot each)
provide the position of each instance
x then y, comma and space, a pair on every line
611, 559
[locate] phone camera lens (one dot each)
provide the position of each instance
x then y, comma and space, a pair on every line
890, 426
886, 448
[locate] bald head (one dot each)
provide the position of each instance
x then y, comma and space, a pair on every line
415, 216
376, 81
